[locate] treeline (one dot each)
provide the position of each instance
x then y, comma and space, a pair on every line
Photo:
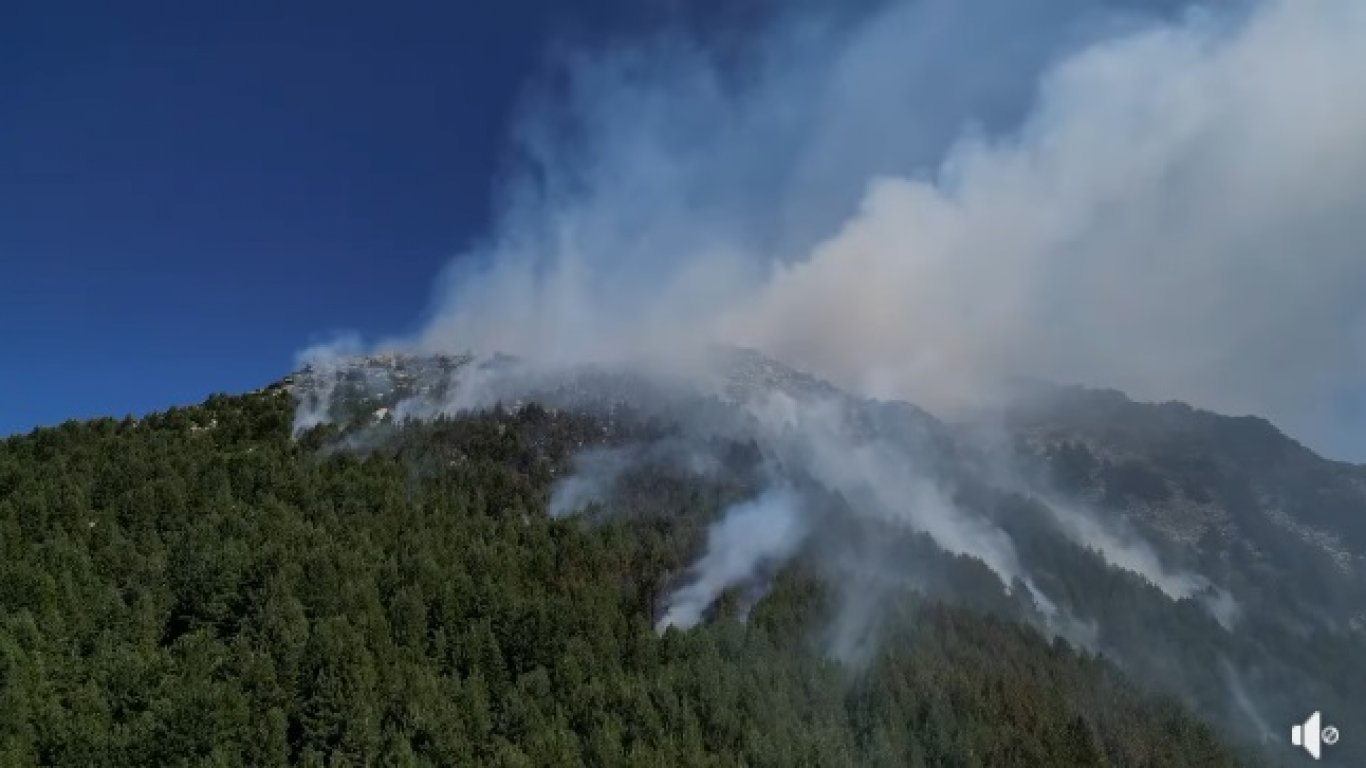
195, 588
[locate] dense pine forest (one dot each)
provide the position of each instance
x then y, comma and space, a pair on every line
198, 588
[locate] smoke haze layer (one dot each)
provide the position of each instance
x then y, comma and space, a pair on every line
930, 199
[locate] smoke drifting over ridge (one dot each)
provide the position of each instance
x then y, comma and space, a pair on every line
935, 198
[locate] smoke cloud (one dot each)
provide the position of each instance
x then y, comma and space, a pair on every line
1170, 205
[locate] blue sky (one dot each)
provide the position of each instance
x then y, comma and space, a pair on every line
191, 192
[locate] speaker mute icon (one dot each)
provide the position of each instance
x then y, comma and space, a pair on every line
1312, 735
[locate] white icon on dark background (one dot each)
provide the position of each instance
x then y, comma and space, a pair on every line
1312, 735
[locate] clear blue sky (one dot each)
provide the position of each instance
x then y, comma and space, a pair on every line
191, 192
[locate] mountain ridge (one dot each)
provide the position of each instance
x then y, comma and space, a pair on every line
1257, 532
200, 586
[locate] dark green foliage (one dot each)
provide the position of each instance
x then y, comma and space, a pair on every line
1132, 480
198, 589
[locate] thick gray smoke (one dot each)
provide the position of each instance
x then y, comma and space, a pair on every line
937, 197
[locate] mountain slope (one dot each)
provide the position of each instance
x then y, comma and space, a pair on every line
1186, 546
1212, 483
198, 587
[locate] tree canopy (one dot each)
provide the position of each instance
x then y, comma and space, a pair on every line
197, 588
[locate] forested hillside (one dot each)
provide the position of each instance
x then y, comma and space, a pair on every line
197, 588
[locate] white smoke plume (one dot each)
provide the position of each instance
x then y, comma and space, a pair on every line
594, 473
1172, 206
881, 480
1125, 550
325, 360
748, 537
1244, 703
